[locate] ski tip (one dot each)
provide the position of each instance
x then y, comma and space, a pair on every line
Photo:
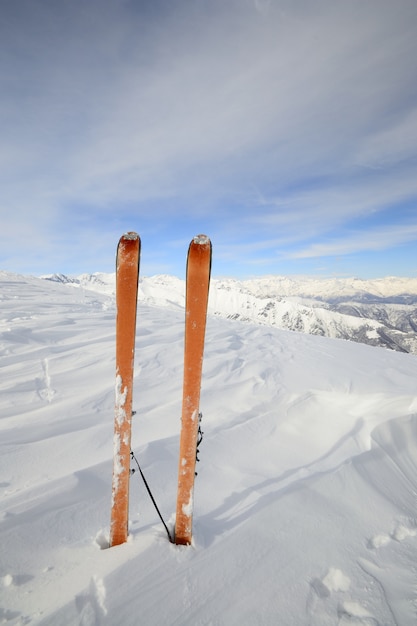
130, 236
201, 239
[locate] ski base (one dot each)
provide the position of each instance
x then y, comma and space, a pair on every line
197, 289
127, 276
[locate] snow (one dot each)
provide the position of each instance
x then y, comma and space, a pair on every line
308, 286
335, 580
305, 507
201, 239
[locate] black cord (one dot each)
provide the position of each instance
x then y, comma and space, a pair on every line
151, 496
199, 439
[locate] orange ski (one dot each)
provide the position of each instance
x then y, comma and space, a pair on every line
127, 274
197, 287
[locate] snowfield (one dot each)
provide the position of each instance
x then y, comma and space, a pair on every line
305, 503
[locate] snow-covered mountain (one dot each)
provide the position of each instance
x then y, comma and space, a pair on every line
379, 312
305, 500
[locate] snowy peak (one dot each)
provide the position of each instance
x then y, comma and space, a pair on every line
100, 282
349, 311
331, 289
380, 312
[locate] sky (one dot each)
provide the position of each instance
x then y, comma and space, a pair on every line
285, 130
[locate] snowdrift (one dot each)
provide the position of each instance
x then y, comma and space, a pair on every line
305, 499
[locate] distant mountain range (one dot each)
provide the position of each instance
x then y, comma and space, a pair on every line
380, 312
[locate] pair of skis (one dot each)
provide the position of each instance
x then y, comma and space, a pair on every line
197, 287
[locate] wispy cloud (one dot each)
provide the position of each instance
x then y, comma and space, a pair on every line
359, 241
250, 119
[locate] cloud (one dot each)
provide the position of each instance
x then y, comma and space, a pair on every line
359, 241
394, 144
235, 95
314, 210
283, 114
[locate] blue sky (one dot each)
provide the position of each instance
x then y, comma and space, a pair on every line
286, 130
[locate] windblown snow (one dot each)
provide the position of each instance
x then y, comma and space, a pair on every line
305, 503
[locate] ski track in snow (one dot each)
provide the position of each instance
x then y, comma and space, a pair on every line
306, 497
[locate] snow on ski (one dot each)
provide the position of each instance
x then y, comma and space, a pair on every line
127, 275
197, 288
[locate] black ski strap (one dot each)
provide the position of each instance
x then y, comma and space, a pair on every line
199, 439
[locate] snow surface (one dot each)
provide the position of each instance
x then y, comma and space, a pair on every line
305, 503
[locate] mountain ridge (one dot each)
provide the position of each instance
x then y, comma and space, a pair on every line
377, 312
